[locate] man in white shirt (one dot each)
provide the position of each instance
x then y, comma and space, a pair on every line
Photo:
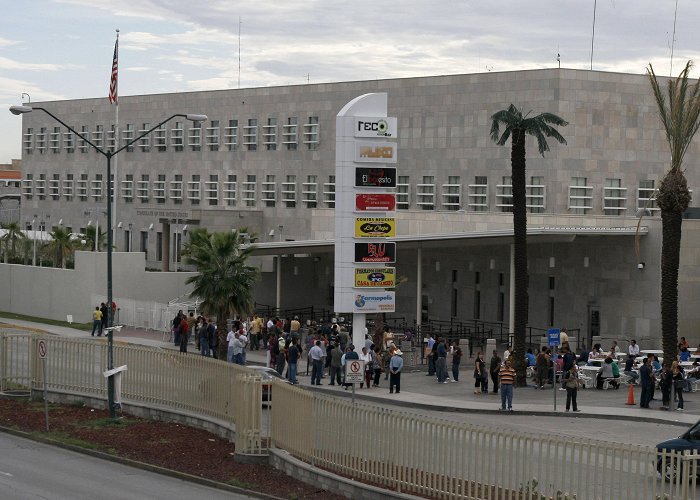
316, 356
633, 348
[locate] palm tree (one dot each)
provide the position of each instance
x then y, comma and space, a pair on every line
60, 246
224, 282
11, 238
90, 232
517, 126
680, 116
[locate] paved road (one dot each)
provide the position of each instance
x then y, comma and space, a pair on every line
31, 470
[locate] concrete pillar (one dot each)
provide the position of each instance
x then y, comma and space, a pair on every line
419, 287
490, 347
165, 256
359, 327
278, 291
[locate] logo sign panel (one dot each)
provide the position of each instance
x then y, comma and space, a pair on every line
375, 152
375, 127
384, 177
374, 302
380, 202
375, 252
377, 277
553, 335
375, 227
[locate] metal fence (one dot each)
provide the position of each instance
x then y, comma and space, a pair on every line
442, 459
160, 378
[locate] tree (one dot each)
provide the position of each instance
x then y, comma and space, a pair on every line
11, 238
224, 282
60, 246
90, 233
517, 126
679, 111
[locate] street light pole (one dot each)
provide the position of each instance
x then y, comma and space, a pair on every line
34, 241
19, 110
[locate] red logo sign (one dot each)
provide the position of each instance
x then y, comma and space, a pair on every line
380, 202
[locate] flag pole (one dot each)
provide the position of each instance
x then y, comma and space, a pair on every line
116, 169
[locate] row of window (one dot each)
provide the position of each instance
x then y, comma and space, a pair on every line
289, 191
213, 137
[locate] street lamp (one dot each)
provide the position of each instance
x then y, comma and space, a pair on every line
19, 110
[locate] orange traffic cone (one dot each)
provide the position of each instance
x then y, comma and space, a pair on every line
630, 396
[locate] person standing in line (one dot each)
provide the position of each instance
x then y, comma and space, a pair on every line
255, 330
230, 337
213, 339
292, 359
507, 378
97, 322
336, 366
316, 356
441, 362
665, 384
429, 354
484, 375
572, 382
377, 365
184, 335
395, 367
176, 327
203, 334
281, 359
678, 384
479, 374
366, 356
541, 368
647, 381
494, 368
105, 317
295, 328
238, 348
456, 360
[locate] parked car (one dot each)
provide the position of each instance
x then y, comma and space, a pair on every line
268, 374
689, 440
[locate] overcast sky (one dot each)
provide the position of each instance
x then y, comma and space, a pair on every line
62, 49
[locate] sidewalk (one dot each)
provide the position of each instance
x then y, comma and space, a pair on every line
421, 391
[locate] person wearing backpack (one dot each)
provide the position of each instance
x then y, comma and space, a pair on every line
572, 381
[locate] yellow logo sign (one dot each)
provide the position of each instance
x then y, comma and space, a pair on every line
377, 277
375, 227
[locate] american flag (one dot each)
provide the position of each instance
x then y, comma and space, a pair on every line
115, 72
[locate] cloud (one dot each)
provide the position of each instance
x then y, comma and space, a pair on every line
4, 42
6, 63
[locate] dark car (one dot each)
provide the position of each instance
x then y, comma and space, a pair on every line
267, 375
690, 441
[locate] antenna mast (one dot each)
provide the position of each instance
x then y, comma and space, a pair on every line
239, 52
673, 40
595, 3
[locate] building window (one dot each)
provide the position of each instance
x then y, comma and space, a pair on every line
28, 140
289, 134
159, 189
452, 193
309, 191
289, 191
143, 188
28, 186
41, 140
98, 136
68, 187
614, 197
551, 301
194, 190
55, 140
425, 193
312, 133
211, 190
231, 135
176, 190
144, 243
250, 135
160, 139
195, 137
69, 142
177, 137
534, 195
83, 146
213, 135
329, 192
128, 136
55, 186
159, 246
230, 190
403, 200
128, 188
96, 188
646, 196
580, 196
479, 194
112, 139
269, 191
270, 134
83, 187
249, 189
145, 141
504, 194
40, 186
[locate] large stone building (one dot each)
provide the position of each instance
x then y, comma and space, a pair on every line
265, 160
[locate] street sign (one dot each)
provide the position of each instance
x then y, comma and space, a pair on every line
375, 227
355, 371
553, 335
383, 252
381, 177
41, 349
375, 277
